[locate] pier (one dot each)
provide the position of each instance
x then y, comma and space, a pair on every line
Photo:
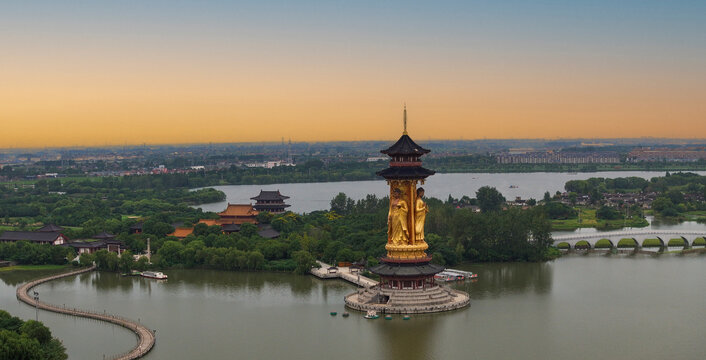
345, 273
145, 336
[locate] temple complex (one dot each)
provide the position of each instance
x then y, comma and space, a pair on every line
270, 201
406, 273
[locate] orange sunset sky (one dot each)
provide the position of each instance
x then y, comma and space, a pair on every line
184, 72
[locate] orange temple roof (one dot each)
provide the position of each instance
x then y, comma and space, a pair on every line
239, 210
208, 222
181, 232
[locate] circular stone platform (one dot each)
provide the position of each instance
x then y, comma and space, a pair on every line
407, 301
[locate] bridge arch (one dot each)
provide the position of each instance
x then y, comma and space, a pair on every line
699, 241
679, 241
583, 245
564, 245
600, 243
626, 244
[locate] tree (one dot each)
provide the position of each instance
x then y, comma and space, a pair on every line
255, 260
489, 199
170, 253
36, 330
126, 261
341, 204
547, 197
608, 213
107, 260
304, 260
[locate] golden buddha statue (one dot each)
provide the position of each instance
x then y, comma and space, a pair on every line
420, 214
397, 231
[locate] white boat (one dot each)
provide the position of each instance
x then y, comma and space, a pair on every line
372, 314
467, 274
154, 275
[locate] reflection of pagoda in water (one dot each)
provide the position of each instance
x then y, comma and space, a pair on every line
406, 273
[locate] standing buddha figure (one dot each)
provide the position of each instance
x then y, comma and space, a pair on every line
397, 231
420, 214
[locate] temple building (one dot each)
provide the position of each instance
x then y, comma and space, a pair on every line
238, 214
406, 273
102, 241
270, 201
48, 234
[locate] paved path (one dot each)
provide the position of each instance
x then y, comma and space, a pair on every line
145, 336
344, 273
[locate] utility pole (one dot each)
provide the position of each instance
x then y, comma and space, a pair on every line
36, 306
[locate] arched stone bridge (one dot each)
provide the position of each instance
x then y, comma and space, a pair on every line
638, 236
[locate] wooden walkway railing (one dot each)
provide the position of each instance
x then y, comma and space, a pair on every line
145, 336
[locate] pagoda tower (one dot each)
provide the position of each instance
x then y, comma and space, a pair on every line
406, 273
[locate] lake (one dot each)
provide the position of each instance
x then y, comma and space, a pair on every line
308, 197
576, 307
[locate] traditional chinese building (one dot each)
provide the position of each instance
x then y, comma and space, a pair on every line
49, 234
238, 214
406, 273
270, 201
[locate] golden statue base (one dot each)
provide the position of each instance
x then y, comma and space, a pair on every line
406, 252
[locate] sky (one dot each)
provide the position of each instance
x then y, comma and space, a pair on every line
94, 73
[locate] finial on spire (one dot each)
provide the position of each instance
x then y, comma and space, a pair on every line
405, 119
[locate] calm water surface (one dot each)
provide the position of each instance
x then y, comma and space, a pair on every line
576, 307
309, 197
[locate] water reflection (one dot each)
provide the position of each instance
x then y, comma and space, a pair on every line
497, 279
410, 340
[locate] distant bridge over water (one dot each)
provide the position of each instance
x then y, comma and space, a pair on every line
637, 236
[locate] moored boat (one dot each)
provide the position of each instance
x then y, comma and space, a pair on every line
372, 314
154, 275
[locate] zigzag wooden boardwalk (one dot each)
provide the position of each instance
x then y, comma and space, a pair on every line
145, 336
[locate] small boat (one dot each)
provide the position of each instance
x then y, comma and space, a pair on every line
333, 313
345, 314
513, 186
388, 317
406, 317
372, 314
154, 275
132, 273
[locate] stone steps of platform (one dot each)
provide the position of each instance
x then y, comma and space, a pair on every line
420, 303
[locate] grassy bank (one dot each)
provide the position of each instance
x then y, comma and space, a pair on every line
589, 220
33, 267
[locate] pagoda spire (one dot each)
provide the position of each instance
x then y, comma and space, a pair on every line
404, 119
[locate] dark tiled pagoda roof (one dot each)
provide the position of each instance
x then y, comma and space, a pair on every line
267, 232
33, 236
107, 237
269, 196
385, 269
104, 235
271, 206
136, 226
405, 172
405, 146
86, 244
230, 227
50, 228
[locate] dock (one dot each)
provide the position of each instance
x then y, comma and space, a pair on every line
345, 273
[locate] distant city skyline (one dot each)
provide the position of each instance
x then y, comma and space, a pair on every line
171, 72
